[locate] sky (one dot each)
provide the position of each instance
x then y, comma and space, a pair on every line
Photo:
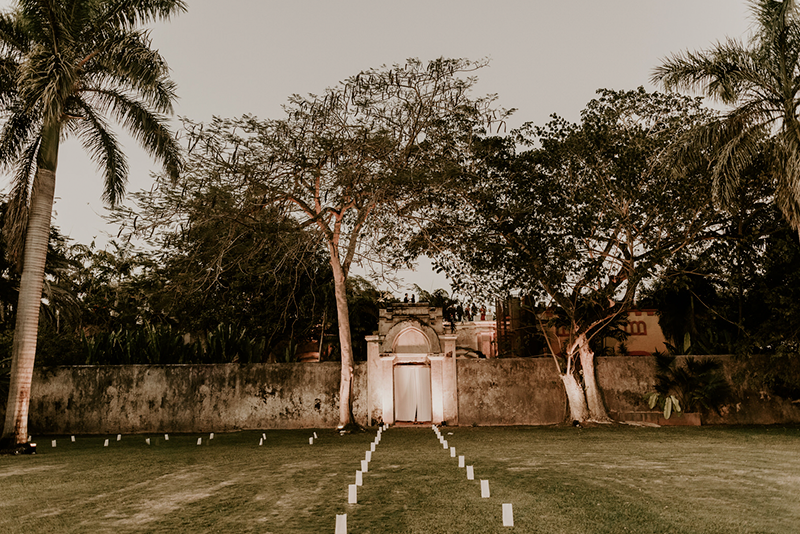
248, 56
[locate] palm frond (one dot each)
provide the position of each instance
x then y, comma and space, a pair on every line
737, 140
8, 79
104, 149
49, 21
18, 131
45, 81
772, 18
718, 72
150, 129
13, 38
126, 62
761, 80
130, 13
16, 219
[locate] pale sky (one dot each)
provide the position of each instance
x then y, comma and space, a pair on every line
247, 56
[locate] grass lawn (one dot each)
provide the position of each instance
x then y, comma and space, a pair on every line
613, 479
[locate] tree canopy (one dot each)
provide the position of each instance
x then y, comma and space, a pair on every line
581, 218
760, 82
65, 69
351, 164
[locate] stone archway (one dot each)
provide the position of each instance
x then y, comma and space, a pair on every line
411, 336
411, 346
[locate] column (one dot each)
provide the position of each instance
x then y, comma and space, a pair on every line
437, 397
449, 379
374, 379
387, 388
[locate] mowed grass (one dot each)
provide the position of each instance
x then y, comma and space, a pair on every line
608, 479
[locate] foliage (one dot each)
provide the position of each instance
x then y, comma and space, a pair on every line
737, 293
112, 287
667, 403
347, 164
60, 304
65, 69
439, 298
760, 82
218, 255
364, 302
583, 217
690, 311
164, 345
692, 386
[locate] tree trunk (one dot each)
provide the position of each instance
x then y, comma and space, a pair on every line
30, 299
575, 397
594, 398
343, 316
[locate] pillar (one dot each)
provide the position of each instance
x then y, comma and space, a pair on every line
374, 379
449, 379
437, 391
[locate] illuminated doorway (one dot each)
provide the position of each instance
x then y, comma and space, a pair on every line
412, 393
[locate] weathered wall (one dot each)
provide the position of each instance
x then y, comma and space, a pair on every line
513, 391
202, 398
626, 380
188, 398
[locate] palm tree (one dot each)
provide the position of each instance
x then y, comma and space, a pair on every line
66, 65
760, 81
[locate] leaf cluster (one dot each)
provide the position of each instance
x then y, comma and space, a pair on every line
690, 386
66, 68
587, 213
760, 82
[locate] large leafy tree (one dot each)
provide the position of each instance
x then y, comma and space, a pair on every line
739, 293
345, 162
760, 82
217, 254
703, 296
66, 68
580, 220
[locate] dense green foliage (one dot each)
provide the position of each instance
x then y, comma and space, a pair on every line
585, 215
690, 385
736, 292
121, 306
581, 219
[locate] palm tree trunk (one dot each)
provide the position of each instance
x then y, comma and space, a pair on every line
30, 299
37, 237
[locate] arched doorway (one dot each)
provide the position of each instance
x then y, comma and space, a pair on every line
412, 393
412, 375
412, 336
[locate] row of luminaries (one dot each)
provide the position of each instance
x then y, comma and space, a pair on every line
352, 493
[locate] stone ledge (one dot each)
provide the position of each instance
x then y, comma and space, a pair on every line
686, 419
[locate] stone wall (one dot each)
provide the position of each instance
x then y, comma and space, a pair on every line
625, 381
206, 398
188, 398
512, 391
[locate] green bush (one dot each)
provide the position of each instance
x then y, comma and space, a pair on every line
695, 386
161, 345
